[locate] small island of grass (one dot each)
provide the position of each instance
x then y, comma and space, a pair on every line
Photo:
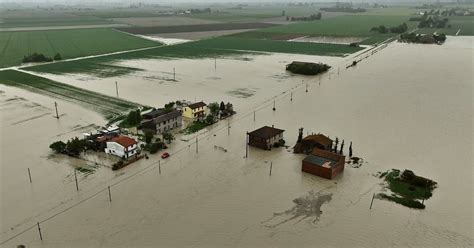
307, 68
407, 188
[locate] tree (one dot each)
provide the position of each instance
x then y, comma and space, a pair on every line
213, 108
283, 13
153, 148
133, 119
169, 106
350, 150
168, 137
229, 108
300, 135
148, 137
210, 119
222, 106
57, 57
75, 146
58, 146
342, 147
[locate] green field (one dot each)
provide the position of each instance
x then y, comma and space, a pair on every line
109, 107
69, 43
346, 25
45, 18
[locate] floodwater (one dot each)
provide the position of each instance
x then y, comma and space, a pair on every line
407, 106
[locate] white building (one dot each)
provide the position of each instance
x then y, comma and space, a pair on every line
122, 146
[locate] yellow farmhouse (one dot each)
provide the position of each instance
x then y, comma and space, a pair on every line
195, 110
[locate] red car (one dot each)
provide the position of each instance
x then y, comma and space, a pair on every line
165, 155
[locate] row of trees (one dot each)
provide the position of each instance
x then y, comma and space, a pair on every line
402, 28
306, 68
344, 9
39, 57
425, 39
312, 17
74, 147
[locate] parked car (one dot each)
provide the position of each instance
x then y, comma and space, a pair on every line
165, 155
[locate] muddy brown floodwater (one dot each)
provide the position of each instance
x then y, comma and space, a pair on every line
407, 106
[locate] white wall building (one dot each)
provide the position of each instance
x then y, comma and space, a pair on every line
122, 146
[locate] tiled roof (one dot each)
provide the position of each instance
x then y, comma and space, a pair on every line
197, 105
266, 132
124, 141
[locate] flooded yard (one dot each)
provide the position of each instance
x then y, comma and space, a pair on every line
407, 107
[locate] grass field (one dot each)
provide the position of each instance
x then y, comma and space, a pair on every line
69, 43
109, 107
43, 18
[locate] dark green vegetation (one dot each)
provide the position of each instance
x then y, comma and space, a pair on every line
69, 43
306, 68
407, 188
36, 57
195, 126
74, 147
133, 119
344, 9
109, 107
312, 17
402, 28
423, 39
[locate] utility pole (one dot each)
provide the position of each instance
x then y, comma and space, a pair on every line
373, 196
291, 96
247, 145
174, 74
215, 63
39, 230
159, 166
228, 127
29, 174
116, 88
271, 166
254, 116
56, 107
75, 177
110, 195
306, 88
274, 108
197, 145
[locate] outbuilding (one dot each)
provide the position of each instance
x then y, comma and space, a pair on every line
323, 163
266, 137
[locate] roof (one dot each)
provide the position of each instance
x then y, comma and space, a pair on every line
167, 116
266, 132
197, 105
320, 139
124, 141
319, 161
153, 114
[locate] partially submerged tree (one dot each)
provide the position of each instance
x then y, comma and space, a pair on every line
58, 146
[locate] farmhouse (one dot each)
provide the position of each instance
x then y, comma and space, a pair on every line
163, 123
195, 110
323, 163
122, 146
308, 143
266, 137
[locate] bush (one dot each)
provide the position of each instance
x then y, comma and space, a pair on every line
58, 146
36, 57
57, 57
307, 68
148, 137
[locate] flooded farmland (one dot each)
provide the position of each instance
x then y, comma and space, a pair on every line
407, 106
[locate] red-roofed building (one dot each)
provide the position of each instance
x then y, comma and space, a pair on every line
122, 146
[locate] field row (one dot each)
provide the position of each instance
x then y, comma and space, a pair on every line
109, 107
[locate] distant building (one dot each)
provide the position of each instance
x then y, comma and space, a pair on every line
122, 146
163, 123
266, 137
323, 163
195, 110
308, 143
